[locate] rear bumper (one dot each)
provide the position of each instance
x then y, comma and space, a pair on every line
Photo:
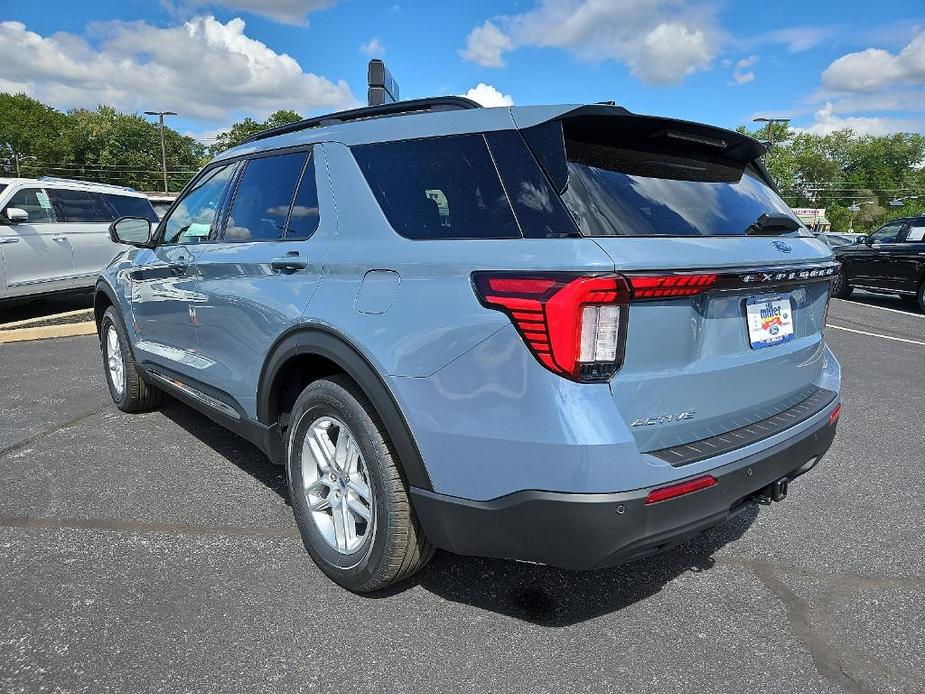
588, 531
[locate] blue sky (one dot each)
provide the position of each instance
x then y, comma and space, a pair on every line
825, 64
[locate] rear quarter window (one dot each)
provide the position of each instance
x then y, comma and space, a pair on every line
438, 188
126, 206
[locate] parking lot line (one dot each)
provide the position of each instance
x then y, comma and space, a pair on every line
885, 337
48, 331
883, 308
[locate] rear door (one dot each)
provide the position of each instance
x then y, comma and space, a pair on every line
257, 277
37, 254
85, 217
666, 199
908, 257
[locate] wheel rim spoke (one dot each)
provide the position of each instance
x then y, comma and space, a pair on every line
336, 485
114, 360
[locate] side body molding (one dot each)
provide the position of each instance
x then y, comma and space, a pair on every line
323, 342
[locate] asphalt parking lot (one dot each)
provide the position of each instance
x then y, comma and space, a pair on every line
156, 552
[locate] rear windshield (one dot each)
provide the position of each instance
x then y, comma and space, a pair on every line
630, 178
615, 192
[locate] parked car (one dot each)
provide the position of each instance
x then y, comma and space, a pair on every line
891, 260
566, 334
54, 233
834, 240
161, 203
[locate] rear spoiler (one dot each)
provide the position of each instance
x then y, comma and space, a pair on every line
584, 123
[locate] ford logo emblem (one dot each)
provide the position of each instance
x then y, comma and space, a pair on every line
782, 246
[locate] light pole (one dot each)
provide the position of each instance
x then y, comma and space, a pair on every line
854, 208
160, 115
18, 159
770, 122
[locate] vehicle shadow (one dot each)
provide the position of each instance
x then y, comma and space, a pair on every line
891, 301
45, 306
541, 595
551, 597
231, 447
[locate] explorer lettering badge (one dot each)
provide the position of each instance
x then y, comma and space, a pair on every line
662, 419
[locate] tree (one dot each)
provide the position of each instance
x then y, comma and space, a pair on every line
243, 129
842, 169
98, 145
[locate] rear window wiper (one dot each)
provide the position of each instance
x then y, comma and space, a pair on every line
770, 224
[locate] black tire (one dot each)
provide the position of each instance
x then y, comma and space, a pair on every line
135, 395
394, 546
840, 287
920, 296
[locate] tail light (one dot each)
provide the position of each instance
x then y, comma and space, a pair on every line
669, 286
575, 325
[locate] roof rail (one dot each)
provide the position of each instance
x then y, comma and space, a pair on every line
58, 179
436, 103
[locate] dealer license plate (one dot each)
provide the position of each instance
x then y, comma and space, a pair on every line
770, 320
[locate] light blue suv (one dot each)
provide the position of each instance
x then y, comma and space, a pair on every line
561, 334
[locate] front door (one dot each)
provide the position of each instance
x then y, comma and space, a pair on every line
164, 280
871, 265
257, 279
37, 254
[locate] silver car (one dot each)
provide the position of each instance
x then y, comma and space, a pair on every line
54, 233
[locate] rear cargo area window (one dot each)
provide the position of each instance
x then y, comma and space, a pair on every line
630, 176
438, 188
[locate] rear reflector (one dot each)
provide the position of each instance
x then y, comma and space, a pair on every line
680, 489
835, 414
666, 286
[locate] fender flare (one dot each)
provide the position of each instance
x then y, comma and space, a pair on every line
324, 342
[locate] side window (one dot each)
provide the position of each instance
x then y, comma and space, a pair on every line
192, 218
887, 234
125, 206
916, 233
304, 218
261, 203
36, 202
438, 188
80, 206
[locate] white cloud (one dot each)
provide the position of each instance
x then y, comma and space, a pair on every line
826, 122
285, 11
487, 95
874, 69
741, 74
201, 69
796, 38
661, 41
373, 48
486, 45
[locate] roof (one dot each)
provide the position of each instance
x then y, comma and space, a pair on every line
379, 124
73, 184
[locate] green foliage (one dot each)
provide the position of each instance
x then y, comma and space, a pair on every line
101, 145
242, 130
843, 168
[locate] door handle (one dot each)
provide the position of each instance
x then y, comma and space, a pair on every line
59, 238
289, 263
9, 239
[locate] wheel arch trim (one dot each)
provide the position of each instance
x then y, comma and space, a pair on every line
325, 342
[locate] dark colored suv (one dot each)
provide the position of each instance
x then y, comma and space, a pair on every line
891, 260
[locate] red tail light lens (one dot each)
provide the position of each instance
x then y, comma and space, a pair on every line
574, 325
668, 286
835, 414
680, 489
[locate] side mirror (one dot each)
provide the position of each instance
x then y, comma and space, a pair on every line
15, 215
865, 240
135, 231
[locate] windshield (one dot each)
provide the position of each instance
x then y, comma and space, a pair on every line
618, 191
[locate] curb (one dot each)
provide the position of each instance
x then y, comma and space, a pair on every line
47, 332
